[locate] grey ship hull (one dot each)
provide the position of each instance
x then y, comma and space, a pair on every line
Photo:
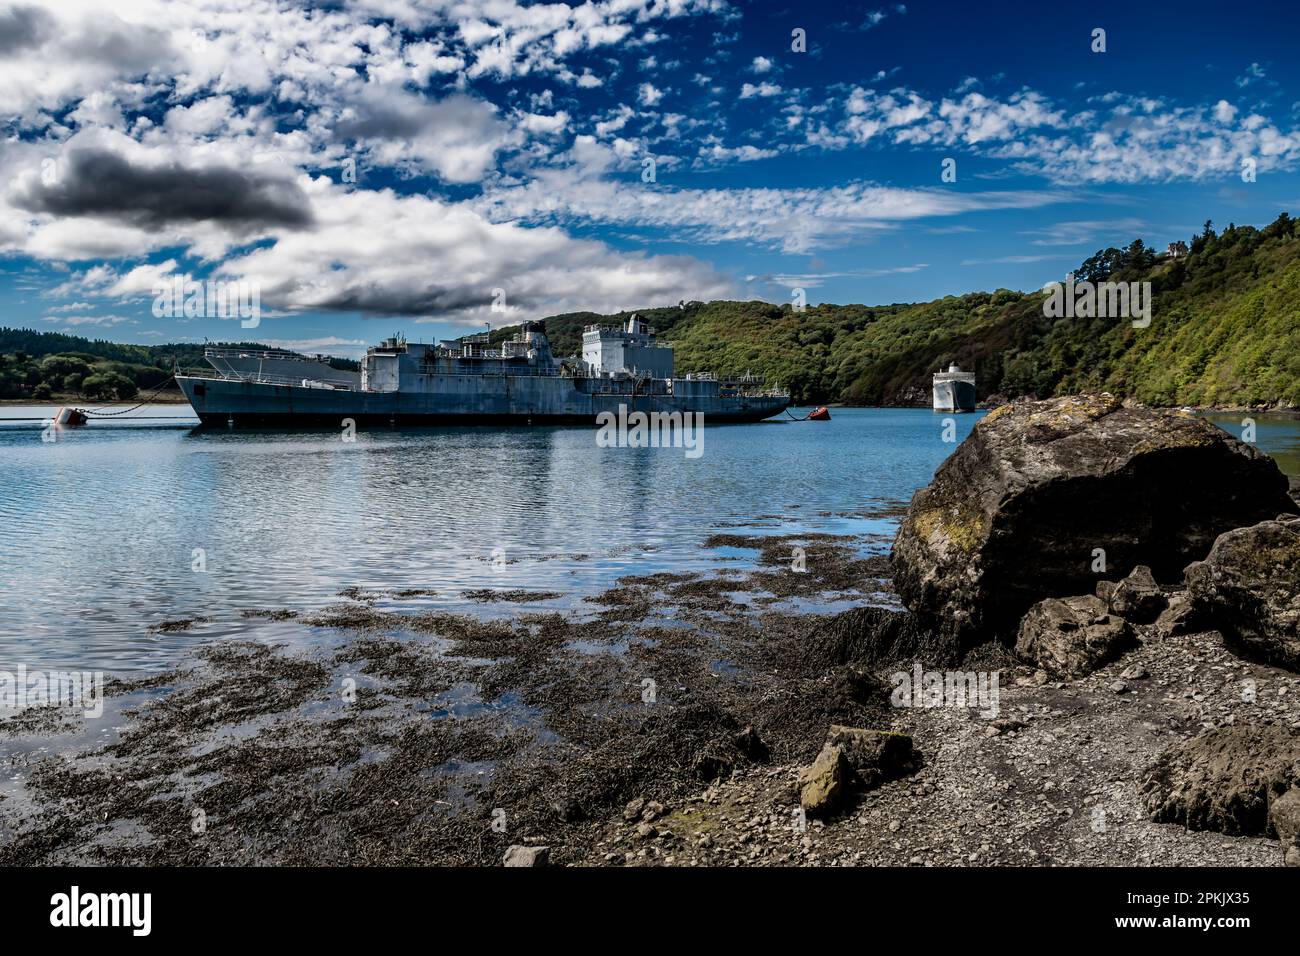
954, 396
453, 399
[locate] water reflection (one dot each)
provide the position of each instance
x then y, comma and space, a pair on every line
118, 527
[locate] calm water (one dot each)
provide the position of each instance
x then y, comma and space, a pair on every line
99, 529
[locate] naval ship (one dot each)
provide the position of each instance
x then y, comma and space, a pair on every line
466, 380
954, 390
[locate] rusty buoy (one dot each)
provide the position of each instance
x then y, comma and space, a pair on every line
71, 417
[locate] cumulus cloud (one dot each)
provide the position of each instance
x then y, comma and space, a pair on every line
457, 137
53, 54
97, 182
23, 28
384, 254
648, 94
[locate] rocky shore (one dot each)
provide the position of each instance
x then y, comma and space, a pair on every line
1081, 650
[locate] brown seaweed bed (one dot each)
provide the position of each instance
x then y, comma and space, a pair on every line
417, 736
423, 737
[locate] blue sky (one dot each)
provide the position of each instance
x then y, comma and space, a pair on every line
503, 153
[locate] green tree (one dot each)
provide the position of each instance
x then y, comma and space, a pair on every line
102, 385
57, 366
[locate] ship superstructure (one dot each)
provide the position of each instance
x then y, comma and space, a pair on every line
471, 380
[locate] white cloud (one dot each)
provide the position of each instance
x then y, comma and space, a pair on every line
76, 321
1254, 73
648, 95
794, 220
744, 154
1079, 232
540, 124
812, 280
216, 113
142, 279
326, 344
1016, 260
414, 255
762, 89
616, 121
1131, 139
458, 137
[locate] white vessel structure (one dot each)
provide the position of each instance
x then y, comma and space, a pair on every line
954, 390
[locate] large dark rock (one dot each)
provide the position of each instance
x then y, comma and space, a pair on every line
1284, 818
1248, 588
824, 783
1015, 513
876, 756
1072, 637
519, 855
1178, 618
1137, 599
1224, 779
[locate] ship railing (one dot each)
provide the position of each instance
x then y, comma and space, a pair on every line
630, 393
746, 379
256, 378
227, 352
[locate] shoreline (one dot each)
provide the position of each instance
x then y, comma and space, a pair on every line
180, 399
72, 400
436, 738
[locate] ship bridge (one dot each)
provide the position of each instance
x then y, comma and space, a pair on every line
631, 349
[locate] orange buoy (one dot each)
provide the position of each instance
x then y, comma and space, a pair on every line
820, 414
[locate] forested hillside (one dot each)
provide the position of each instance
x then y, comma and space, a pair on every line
1225, 331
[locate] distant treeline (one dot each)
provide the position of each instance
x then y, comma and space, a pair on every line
47, 365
